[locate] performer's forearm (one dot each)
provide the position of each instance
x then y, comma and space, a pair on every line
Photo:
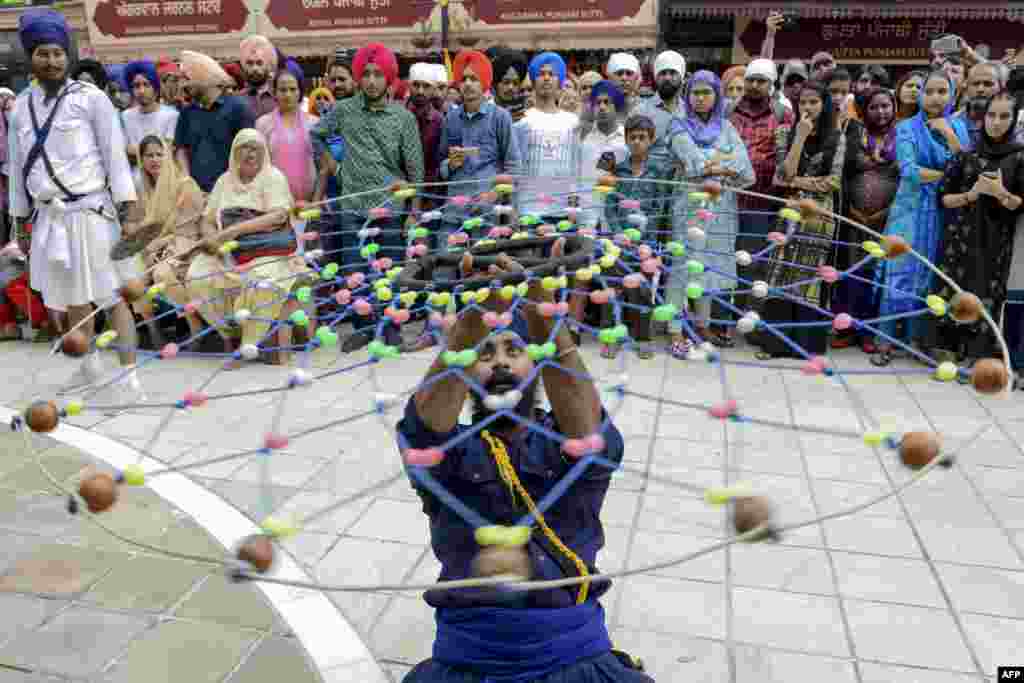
440, 402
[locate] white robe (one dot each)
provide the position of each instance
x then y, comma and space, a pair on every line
70, 261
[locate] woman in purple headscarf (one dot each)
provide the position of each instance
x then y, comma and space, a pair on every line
709, 148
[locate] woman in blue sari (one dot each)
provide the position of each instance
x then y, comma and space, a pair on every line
924, 145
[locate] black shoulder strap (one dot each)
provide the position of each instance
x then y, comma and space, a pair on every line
38, 150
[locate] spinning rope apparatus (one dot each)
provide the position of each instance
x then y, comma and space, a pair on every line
587, 263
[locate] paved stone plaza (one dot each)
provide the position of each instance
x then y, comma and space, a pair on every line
926, 587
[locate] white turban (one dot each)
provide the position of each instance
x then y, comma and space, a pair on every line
623, 61
763, 68
439, 74
423, 72
670, 60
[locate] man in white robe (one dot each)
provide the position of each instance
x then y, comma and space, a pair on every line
72, 193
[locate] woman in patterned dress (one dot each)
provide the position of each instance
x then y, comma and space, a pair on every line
809, 165
982, 193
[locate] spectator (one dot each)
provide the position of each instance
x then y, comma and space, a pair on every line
822, 63
148, 116
339, 79
982, 83
624, 70
90, 71
908, 94
286, 130
428, 119
602, 143
259, 64
509, 72
794, 75
170, 82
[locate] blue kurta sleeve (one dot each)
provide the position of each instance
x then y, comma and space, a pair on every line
906, 156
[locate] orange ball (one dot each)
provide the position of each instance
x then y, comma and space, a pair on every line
75, 344
133, 290
99, 492
257, 550
808, 207
496, 560
397, 186
608, 181
713, 188
504, 179
894, 246
965, 308
751, 512
42, 416
488, 197
917, 449
990, 376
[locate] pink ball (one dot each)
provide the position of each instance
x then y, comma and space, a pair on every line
275, 442
380, 212
572, 212
814, 366
546, 309
724, 409
495, 233
703, 214
650, 266
505, 319
491, 319
343, 297
630, 204
545, 199
575, 448
600, 296
169, 351
595, 443
777, 237
354, 280
410, 252
460, 200
843, 321
633, 280
828, 273
309, 236
420, 249
399, 316
562, 308
195, 398
423, 457
192, 306
362, 306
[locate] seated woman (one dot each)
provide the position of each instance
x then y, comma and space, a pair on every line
166, 226
271, 275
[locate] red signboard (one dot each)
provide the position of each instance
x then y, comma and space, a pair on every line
895, 39
538, 11
141, 18
316, 15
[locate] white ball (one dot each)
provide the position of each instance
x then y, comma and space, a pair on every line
300, 378
242, 314
748, 322
430, 216
760, 289
385, 400
707, 347
363, 234
314, 255
696, 354
744, 258
249, 351
695, 234
638, 219
502, 209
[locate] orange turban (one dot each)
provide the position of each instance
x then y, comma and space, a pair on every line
731, 73
259, 46
379, 56
480, 64
201, 69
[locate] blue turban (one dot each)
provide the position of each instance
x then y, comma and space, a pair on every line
551, 59
292, 67
116, 74
143, 67
41, 27
613, 92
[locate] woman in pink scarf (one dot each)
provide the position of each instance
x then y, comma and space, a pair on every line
287, 132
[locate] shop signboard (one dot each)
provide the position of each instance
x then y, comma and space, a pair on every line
113, 21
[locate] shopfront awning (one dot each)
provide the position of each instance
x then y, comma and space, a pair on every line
962, 9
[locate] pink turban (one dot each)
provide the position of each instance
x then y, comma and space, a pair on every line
261, 47
379, 56
201, 69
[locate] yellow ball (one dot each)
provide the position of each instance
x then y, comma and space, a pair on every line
550, 283
277, 528
134, 475
522, 289
482, 294
874, 438
468, 297
607, 261
73, 408
946, 372
106, 339
385, 294
937, 304
508, 292
584, 274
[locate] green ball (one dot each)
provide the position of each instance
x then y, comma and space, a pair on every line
329, 271
450, 358
328, 337
694, 290
299, 318
529, 219
471, 223
676, 249
376, 348
467, 357
633, 234
665, 312
621, 332
549, 349
420, 233
364, 252
694, 267
564, 225
391, 351
303, 294
534, 351
373, 248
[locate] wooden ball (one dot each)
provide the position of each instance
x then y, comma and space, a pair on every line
133, 290
809, 208
488, 197
99, 492
894, 246
713, 188
397, 186
257, 550
608, 181
917, 449
990, 376
75, 344
42, 416
504, 179
496, 560
965, 308
751, 512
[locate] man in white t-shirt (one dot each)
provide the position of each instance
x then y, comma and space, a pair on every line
547, 141
602, 142
148, 116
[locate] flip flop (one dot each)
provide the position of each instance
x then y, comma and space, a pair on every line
680, 349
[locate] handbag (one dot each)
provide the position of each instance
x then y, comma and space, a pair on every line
279, 240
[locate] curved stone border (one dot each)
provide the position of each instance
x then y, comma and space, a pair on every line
329, 639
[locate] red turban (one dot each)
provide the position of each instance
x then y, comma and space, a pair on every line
166, 66
379, 56
400, 90
480, 64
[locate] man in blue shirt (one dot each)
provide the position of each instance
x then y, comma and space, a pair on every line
207, 127
502, 470
476, 141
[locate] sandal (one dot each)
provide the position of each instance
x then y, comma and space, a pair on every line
722, 341
764, 356
883, 358
680, 348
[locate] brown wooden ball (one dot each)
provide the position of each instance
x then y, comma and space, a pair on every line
750, 512
397, 186
75, 344
894, 246
496, 560
99, 492
809, 208
713, 188
504, 179
133, 290
257, 550
965, 308
608, 180
42, 416
917, 449
990, 376
488, 197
